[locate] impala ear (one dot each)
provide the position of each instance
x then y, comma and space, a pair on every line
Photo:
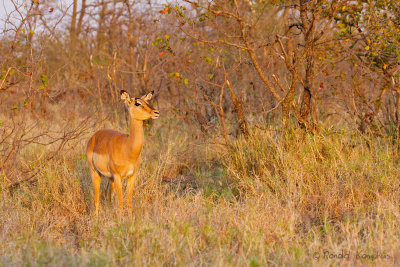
125, 97
148, 96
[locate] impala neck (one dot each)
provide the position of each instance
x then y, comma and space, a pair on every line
136, 137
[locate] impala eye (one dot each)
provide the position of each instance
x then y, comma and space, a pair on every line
137, 104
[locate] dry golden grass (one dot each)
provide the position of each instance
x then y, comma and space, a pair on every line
266, 200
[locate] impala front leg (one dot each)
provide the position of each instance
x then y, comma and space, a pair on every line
129, 189
118, 190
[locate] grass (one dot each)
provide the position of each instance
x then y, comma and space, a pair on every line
266, 200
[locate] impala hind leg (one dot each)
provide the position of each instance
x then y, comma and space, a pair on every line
96, 180
110, 190
129, 189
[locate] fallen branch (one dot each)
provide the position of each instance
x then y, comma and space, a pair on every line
31, 179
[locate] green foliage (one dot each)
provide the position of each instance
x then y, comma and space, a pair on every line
380, 31
45, 81
163, 43
179, 77
208, 60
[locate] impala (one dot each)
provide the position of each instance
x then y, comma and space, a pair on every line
116, 155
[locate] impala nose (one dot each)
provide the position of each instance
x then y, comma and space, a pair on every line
156, 114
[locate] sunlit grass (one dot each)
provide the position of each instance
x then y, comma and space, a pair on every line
262, 200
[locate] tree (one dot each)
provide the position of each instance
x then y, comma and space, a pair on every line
372, 30
291, 30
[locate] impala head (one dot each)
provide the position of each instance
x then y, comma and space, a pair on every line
139, 108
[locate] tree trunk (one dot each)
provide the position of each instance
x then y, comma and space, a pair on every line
72, 28
81, 15
131, 41
305, 103
100, 27
286, 104
239, 110
308, 31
